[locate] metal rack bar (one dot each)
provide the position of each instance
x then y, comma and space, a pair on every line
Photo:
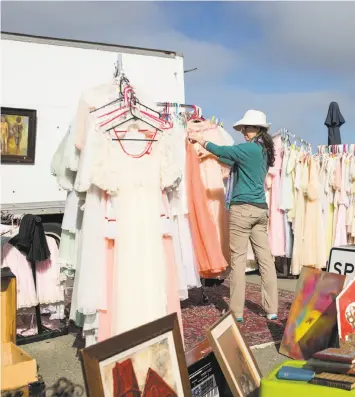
284, 132
342, 148
181, 105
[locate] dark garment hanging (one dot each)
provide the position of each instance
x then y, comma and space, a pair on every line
334, 121
31, 239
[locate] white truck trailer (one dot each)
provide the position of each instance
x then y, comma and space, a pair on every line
49, 75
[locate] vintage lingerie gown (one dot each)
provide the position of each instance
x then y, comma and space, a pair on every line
49, 289
180, 228
277, 237
314, 239
301, 184
213, 173
139, 279
329, 168
343, 203
64, 165
90, 278
172, 284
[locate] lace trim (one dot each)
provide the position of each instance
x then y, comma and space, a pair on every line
32, 304
171, 174
63, 263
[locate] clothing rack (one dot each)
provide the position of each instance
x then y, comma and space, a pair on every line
286, 134
197, 111
346, 148
175, 104
118, 66
43, 332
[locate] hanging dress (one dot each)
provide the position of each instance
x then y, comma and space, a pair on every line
139, 279
301, 184
277, 223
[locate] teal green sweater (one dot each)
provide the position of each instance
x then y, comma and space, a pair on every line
250, 170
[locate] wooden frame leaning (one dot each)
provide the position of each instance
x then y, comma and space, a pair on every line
146, 360
235, 357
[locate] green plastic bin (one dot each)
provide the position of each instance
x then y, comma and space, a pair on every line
273, 387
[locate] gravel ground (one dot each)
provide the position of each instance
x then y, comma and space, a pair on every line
57, 357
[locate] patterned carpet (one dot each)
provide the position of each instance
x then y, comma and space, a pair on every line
198, 316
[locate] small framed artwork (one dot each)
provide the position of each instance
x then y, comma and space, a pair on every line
18, 135
345, 304
235, 357
145, 362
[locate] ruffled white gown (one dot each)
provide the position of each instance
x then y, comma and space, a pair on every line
140, 266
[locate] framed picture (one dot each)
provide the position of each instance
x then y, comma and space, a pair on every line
18, 135
145, 362
313, 314
235, 357
345, 304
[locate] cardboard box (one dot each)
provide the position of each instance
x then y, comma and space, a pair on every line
18, 369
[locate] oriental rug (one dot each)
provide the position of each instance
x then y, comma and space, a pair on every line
198, 316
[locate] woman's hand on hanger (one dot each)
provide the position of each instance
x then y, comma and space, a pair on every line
196, 137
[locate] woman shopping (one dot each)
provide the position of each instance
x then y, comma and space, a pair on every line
248, 210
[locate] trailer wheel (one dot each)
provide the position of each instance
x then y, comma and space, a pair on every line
53, 230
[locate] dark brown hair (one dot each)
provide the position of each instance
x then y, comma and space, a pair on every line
268, 146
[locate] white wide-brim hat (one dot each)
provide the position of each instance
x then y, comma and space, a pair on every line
254, 118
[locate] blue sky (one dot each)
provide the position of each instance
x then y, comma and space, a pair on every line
289, 59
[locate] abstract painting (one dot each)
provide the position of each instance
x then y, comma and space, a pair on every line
148, 361
313, 314
18, 135
345, 303
149, 366
234, 357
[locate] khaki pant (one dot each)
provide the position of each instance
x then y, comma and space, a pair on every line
247, 221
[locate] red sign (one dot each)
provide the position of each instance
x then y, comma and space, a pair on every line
346, 311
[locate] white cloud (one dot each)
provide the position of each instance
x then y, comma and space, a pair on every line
140, 24
303, 113
300, 35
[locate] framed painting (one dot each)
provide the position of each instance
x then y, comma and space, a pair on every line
145, 362
18, 135
313, 314
235, 357
345, 303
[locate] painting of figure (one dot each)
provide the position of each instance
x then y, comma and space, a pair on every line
18, 135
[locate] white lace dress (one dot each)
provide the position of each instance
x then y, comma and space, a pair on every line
139, 281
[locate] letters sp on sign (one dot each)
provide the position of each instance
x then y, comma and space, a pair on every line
342, 261
344, 269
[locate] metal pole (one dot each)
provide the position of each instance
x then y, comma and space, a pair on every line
120, 64
190, 70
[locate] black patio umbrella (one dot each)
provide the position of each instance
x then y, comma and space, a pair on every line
334, 121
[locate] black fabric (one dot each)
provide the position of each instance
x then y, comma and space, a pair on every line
334, 121
31, 239
263, 206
